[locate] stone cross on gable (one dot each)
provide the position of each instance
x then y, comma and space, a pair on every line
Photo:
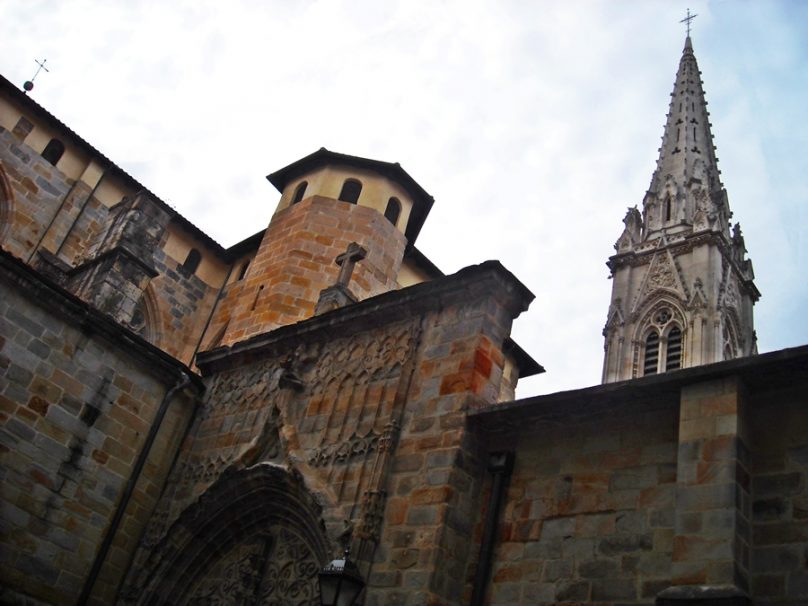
338, 294
347, 260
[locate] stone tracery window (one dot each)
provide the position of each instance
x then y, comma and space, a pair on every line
662, 348
651, 359
673, 356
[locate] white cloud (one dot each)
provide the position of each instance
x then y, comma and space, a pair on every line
534, 125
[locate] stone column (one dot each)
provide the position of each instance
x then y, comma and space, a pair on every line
711, 544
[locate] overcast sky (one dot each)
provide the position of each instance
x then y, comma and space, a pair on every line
533, 124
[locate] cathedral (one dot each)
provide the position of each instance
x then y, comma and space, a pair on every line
184, 423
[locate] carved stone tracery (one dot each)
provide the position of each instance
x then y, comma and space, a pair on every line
276, 568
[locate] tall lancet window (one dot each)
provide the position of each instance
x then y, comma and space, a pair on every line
651, 360
673, 354
663, 343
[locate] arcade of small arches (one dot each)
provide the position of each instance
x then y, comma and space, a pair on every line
350, 192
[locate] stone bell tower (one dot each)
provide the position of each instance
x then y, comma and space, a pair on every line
683, 289
335, 210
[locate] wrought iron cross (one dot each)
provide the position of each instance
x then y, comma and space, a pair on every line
687, 20
347, 260
40, 68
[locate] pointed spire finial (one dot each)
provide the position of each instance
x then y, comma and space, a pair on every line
687, 20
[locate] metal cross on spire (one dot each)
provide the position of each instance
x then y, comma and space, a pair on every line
29, 84
687, 20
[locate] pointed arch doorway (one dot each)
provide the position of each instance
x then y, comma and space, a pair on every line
254, 538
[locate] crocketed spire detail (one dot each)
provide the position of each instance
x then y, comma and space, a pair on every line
686, 188
682, 287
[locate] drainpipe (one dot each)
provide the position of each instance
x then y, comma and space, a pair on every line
182, 382
500, 465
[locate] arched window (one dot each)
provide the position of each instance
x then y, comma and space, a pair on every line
673, 356
662, 349
651, 360
300, 192
668, 208
350, 191
53, 151
393, 210
192, 261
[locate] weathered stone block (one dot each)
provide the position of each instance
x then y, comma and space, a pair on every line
614, 589
558, 528
619, 545
599, 569
555, 570
777, 485
572, 591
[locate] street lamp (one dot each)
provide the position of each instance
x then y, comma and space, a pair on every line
340, 582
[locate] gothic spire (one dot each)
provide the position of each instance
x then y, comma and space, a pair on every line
687, 161
682, 288
687, 150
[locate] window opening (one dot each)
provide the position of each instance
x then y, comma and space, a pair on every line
53, 151
243, 271
350, 191
192, 261
673, 357
300, 192
651, 354
393, 210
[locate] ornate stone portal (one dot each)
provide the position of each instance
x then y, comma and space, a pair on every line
274, 568
255, 537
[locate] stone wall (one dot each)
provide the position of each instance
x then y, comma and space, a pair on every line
62, 218
45, 204
365, 406
183, 304
296, 260
779, 461
589, 512
78, 396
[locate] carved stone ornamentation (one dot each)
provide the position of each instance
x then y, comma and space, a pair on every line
731, 297
276, 568
266, 530
631, 234
372, 513
661, 274
356, 445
